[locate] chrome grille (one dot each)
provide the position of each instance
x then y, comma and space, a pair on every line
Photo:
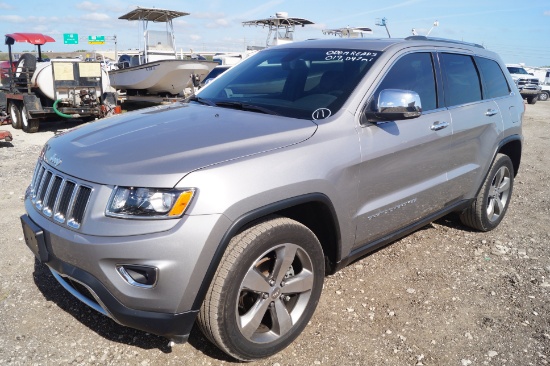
528, 81
59, 198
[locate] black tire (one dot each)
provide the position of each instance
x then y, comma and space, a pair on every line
533, 99
271, 277
491, 204
15, 114
30, 125
26, 61
543, 96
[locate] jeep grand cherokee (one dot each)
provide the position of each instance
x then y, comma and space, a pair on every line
229, 209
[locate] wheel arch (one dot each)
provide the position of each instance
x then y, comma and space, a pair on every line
314, 210
512, 147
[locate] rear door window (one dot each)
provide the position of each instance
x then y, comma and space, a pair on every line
494, 81
462, 83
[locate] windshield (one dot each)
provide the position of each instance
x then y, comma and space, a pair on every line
517, 70
292, 82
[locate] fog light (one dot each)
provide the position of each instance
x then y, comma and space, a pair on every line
138, 275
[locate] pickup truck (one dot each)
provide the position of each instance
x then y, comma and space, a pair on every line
545, 85
528, 85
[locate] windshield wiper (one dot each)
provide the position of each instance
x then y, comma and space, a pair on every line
194, 98
246, 107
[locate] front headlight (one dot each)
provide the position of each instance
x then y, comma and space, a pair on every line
148, 203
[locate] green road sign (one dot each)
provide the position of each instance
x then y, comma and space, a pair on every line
96, 39
70, 38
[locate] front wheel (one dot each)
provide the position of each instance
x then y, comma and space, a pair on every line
488, 210
265, 289
533, 99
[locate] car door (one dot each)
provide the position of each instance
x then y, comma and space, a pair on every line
477, 123
402, 176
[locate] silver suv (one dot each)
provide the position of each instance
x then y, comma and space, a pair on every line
230, 208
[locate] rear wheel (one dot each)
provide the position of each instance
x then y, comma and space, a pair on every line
24, 70
26, 63
265, 289
29, 125
490, 206
544, 96
15, 114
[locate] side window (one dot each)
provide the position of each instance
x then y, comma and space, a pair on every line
494, 82
462, 84
413, 72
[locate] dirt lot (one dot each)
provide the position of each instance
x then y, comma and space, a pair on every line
444, 295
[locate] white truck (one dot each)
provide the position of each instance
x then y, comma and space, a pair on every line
545, 85
528, 85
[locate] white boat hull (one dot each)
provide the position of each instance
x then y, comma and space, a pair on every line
165, 76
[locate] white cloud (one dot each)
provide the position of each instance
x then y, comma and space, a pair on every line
180, 22
86, 5
12, 19
35, 20
208, 15
218, 23
96, 17
194, 37
42, 29
261, 10
5, 6
547, 13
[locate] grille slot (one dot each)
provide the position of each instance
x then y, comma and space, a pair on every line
527, 82
58, 197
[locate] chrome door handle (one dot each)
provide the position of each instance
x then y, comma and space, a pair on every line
439, 125
491, 112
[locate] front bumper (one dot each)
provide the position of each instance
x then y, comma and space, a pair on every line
529, 91
175, 327
86, 266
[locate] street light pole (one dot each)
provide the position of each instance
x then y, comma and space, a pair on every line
436, 24
382, 23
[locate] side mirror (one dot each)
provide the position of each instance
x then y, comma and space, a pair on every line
394, 105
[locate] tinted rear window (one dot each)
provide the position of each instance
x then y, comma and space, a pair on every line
462, 84
494, 82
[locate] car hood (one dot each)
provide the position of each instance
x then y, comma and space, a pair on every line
157, 147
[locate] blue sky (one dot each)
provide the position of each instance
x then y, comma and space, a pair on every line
517, 30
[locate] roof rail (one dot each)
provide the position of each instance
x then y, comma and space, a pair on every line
424, 38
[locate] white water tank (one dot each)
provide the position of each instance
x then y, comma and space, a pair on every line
43, 79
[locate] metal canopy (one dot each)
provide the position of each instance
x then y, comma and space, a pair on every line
153, 15
279, 21
348, 31
32, 38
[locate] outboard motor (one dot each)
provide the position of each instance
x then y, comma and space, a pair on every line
124, 61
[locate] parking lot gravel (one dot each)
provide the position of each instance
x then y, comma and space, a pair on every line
444, 295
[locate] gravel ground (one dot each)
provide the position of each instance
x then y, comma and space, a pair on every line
444, 295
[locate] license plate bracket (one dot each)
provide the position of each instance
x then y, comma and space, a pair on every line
34, 238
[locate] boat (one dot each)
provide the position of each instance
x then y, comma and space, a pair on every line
156, 70
348, 32
281, 27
